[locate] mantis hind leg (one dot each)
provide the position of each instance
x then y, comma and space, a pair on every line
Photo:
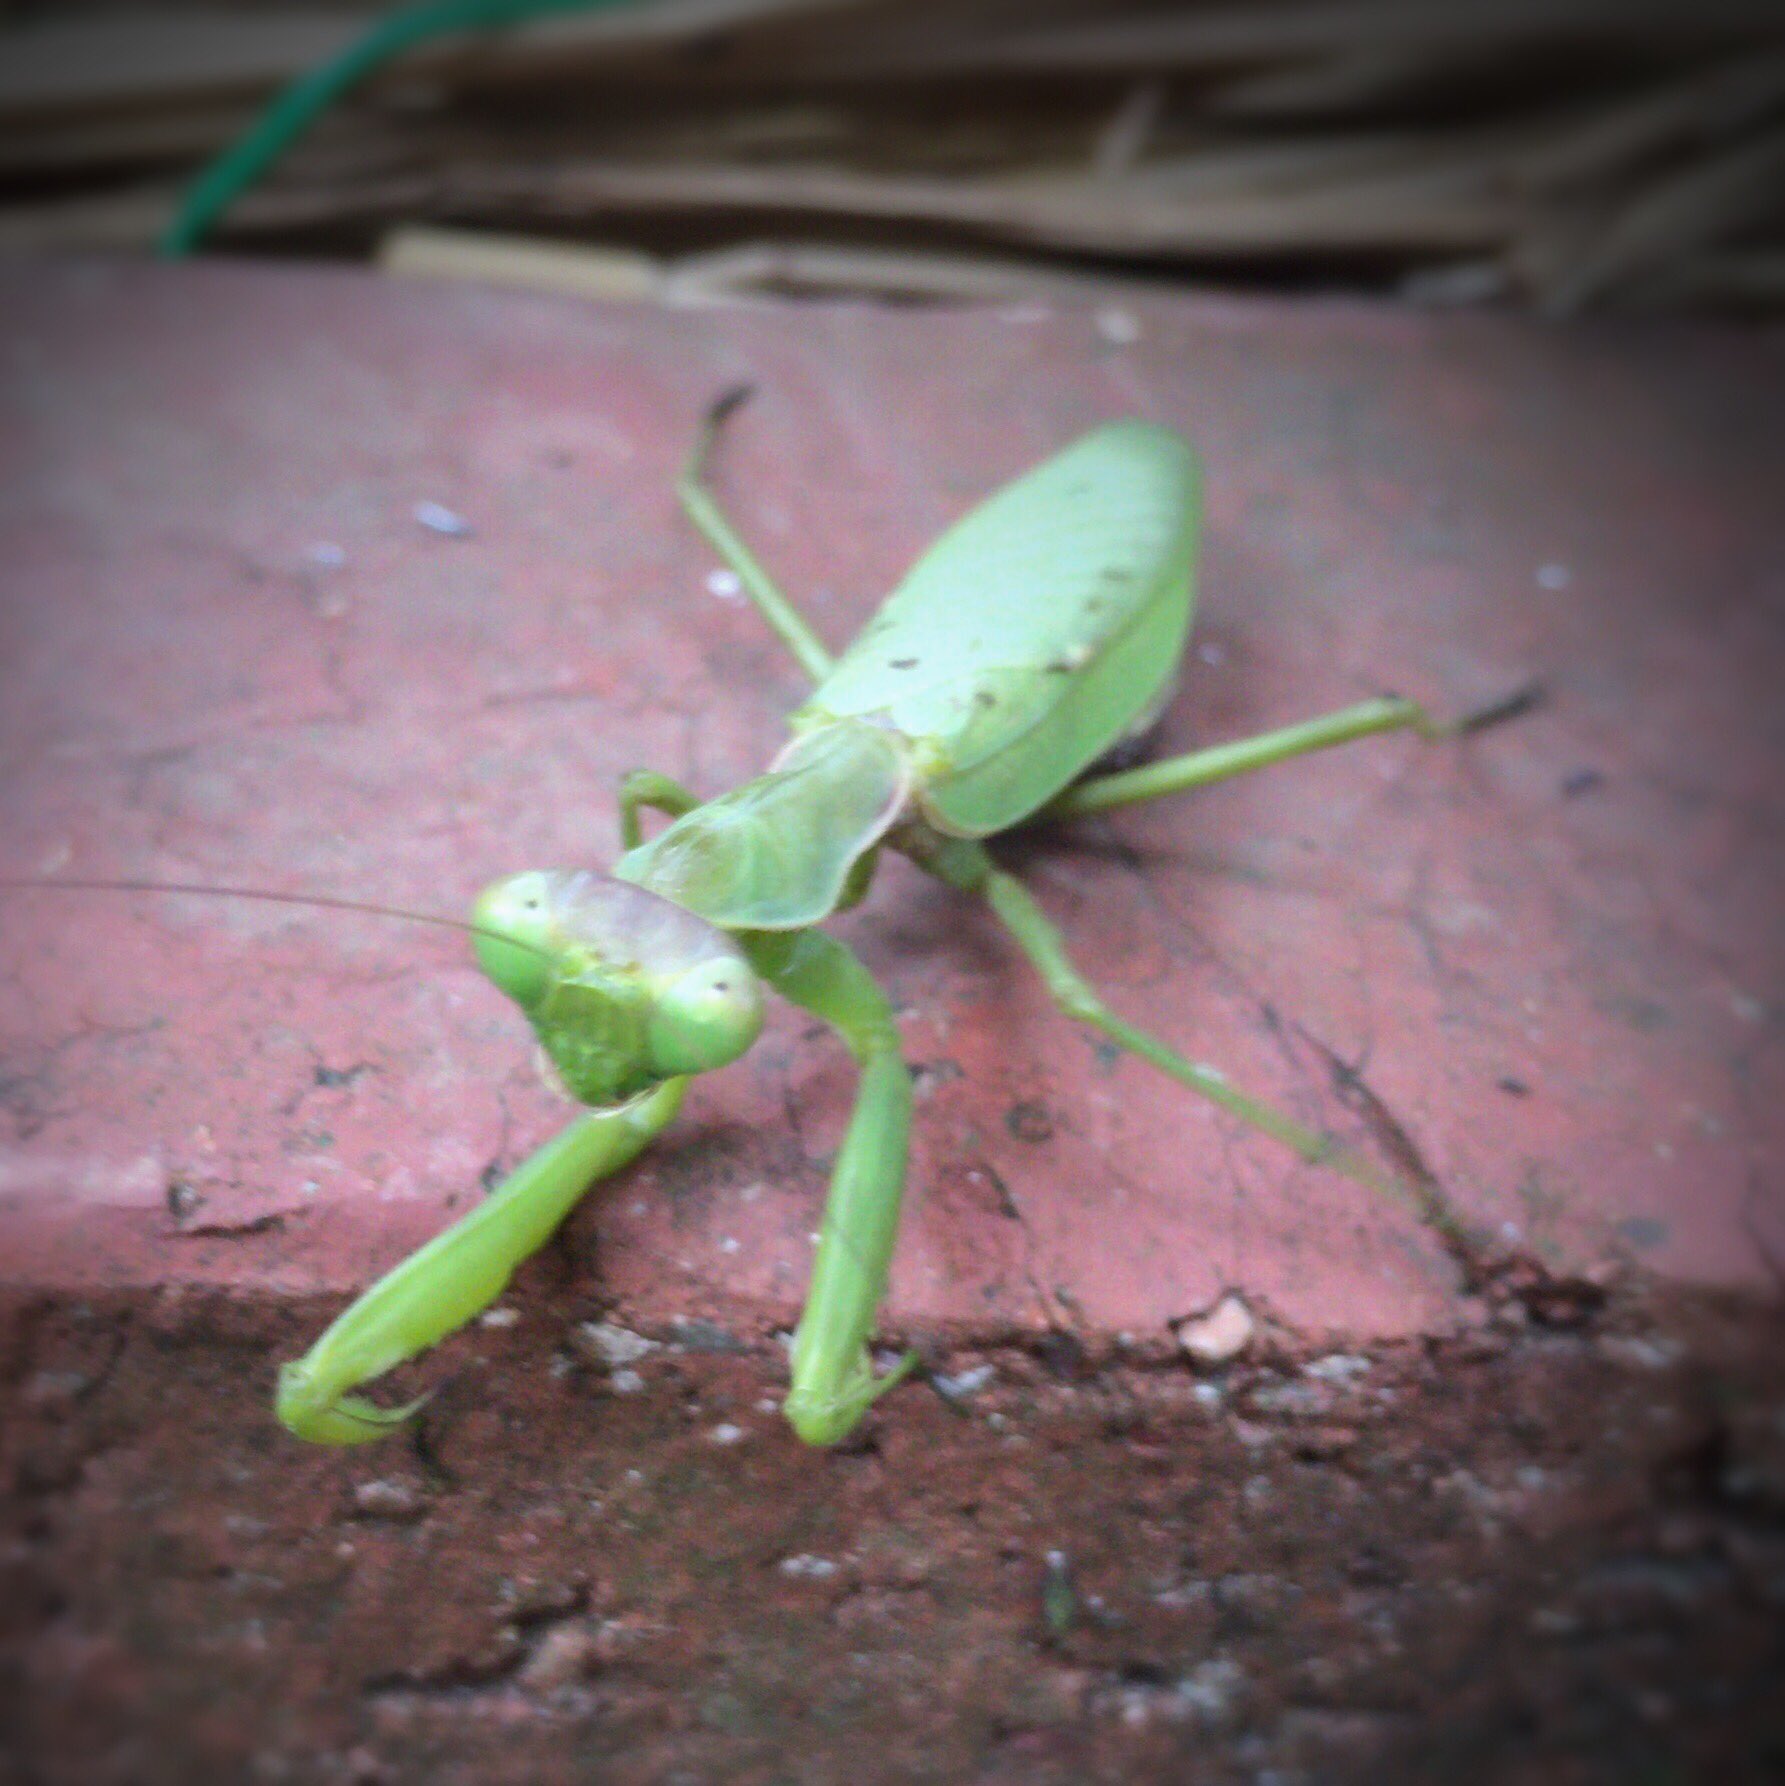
702, 508
1042, 943
1197, 768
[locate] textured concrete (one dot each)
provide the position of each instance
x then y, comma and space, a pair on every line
230, 652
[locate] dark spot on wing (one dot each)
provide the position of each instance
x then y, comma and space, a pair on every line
901, 663
984, 698
1058, 668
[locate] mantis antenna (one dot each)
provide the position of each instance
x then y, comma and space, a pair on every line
316, 901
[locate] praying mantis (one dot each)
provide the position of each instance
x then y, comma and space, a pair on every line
1037, 634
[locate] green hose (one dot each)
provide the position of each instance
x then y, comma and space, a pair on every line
293, 112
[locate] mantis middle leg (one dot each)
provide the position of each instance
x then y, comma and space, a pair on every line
968, 867
1197, 768
641, 788
833, 1368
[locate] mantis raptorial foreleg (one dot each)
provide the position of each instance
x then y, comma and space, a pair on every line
833, 1368
700, 506
459, 1273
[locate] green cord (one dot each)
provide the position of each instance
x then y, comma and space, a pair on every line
226, 178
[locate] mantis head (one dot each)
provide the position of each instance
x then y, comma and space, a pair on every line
623, 989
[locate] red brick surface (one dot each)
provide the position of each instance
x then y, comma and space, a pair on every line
229, 652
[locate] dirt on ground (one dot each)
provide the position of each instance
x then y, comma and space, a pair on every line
1549, 1550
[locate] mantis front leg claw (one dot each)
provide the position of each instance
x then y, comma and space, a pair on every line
458, 1274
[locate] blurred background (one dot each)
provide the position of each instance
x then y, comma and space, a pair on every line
1562, 155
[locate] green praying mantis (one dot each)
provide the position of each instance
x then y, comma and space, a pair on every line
1040, 633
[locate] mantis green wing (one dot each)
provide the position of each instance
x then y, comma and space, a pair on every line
1039, 630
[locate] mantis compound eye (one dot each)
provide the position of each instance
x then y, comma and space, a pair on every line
706, 1017
623, 988
513, 920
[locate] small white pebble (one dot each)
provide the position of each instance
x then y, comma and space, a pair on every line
1336, 1367
1209, 1689
388, 1499
436, 517
1219, 1334
726, 1434
808, 1568
625, 1382
965, 1382
1511, 1233
1120, 328
725, 585
768, 1405
729, 1244
563, 1655
325, 555
1554, 576
610, 1344
498, 1317
1211, 651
